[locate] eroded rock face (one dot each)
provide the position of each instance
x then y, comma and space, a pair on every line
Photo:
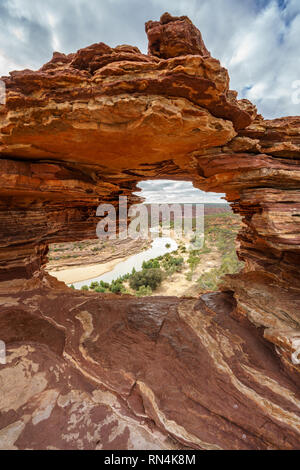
85, 129
174, 36
133, 373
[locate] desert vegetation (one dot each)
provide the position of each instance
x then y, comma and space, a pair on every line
190, 265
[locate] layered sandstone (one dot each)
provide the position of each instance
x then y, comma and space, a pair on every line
86, 128
164, 373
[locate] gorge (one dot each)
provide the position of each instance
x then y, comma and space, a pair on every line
94, 371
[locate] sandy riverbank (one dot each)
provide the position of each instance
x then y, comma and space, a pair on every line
85, 272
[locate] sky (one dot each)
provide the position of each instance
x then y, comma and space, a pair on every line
172, 192
256, 40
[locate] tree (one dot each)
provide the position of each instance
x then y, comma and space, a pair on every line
152, 263
100, 289
116, 286
104, 284
94, 284
147, 277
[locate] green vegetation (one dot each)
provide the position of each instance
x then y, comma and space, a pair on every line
93, 285
224, 239
193, 260
100, 289
152, 263
116, 286
220, 232
151, 277
143, 291
143, 282
172, 264
211, 279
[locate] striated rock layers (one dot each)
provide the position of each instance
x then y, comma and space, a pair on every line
111, 372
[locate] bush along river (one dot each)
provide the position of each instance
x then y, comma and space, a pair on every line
160, 246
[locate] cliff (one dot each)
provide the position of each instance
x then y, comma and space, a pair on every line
164, 372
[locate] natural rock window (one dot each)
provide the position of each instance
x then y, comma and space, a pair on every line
178, 255
85, 129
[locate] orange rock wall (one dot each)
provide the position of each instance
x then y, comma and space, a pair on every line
86, 128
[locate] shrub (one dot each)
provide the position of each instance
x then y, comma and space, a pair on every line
193, 260
94, 284
143, 291
172, 264
84, 288
124, 290
151, 277
152, 263
100, 289
104, 284
116, 286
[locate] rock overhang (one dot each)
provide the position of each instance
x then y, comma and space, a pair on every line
88, 126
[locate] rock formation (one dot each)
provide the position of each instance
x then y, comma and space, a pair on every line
116, 372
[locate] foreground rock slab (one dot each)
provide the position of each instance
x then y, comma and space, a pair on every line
86, 371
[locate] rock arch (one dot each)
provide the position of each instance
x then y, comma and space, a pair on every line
88, 126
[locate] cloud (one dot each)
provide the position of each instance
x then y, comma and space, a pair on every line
175, 192
257, 40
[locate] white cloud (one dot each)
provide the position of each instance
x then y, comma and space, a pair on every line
257, 40
175, 192
7, 64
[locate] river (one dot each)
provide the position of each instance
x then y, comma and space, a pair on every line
158, 248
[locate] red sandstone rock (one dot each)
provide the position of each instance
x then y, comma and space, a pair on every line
84, 129
127, 373
174, 36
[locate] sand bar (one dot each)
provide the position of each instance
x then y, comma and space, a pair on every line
84, 272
